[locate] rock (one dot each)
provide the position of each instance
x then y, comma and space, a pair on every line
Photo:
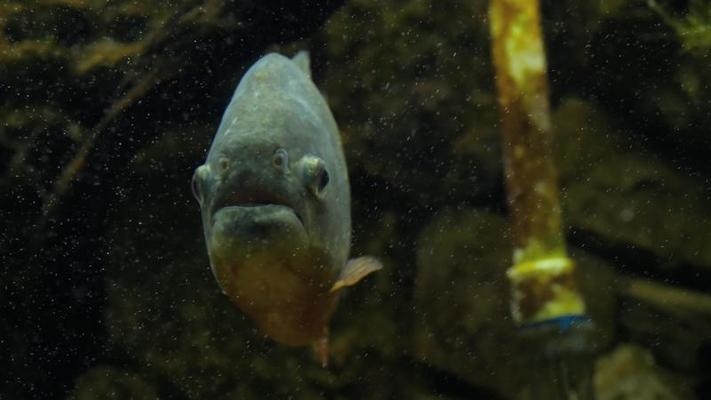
462, 299
625, 196
674, 323
596, 280
629, 372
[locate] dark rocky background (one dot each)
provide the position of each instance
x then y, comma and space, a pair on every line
106, 107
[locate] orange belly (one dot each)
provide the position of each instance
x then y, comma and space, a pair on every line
287, 307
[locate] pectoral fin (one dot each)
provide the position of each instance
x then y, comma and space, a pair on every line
355, 270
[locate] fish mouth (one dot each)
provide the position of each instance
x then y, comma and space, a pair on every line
257, 201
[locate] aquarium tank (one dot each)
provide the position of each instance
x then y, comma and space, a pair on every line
355, 199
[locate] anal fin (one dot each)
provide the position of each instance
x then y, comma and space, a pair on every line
355, 270
321, 350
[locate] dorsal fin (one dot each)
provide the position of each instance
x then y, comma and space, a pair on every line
302, 60
355, 270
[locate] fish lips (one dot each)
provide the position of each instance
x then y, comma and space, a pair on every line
258, 222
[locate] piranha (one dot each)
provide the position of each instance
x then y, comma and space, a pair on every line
275, 203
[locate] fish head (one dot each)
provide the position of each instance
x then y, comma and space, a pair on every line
259, 194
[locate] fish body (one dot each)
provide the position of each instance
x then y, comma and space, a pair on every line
275, 203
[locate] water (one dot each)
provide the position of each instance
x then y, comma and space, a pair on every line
108, 107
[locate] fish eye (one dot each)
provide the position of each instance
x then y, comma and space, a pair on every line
280, 159
322, 180
315, 174
195, 186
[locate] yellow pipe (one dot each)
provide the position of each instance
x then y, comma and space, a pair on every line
542, 276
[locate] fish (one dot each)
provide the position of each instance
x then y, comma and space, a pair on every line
275, 203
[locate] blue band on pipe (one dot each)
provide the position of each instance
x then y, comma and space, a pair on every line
563, 323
